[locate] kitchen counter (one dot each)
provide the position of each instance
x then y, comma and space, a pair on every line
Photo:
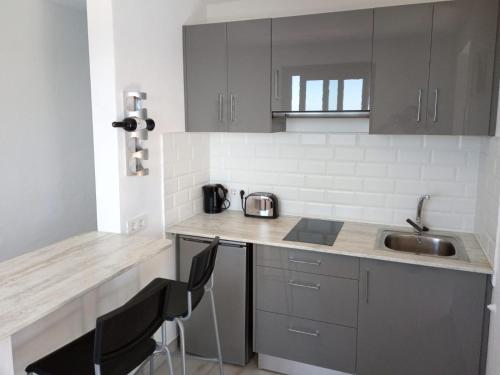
355, 239
37, 283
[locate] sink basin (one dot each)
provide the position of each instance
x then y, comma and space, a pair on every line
425, 244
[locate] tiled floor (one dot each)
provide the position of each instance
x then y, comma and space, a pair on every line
205, 368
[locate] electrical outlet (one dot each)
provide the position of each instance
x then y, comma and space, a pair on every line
137, 224
233, 192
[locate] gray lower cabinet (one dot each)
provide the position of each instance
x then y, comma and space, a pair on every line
401, 56
305, 295
316, 343
416, 320
322, 62
205, 77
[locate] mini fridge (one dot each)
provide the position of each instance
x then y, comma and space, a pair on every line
233, 301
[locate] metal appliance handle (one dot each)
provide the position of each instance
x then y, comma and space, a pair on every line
233, 108
221, 107
436, 100
301, 285
222, 243
367, 286
301, 332
316, 263
276, 84
419, 110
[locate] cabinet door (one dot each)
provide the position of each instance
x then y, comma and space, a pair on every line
205, 69
461, 74
401, 54
322, 62
416, 320
249, 59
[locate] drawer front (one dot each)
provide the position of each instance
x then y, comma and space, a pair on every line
308, 261
307, 341
305, 295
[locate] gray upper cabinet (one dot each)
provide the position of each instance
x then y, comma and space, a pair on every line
461, 74
433, 68
205, 65
228, 78
401, 55
322, 62
416, 320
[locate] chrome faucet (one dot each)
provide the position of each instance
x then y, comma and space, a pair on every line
417, 224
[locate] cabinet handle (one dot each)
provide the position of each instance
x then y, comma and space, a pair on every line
276, 84
436, 100
300, 332
367, 286
419, 111
221, 107
300, 285
233, 108
316, 263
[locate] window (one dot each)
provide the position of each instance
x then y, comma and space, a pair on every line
314, 95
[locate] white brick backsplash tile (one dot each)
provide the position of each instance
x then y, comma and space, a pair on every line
342, 139
371, 170
467, 174
306, 166
259, 138
242, 150
340, 168
313, 139
470, 143
405, 171
378, 215
266, 151
448, 157
195, 193
171, 186
284, 165
286, 138
181, 197
182, 167
186, 181
169, 202
402, 201
400, 217
373, 185
198, 206
414, 156
287, 193
370, 199
243, 177
186, 211
321, 153
348, 183
380, 155
318, 210
347, 212
319, 182
340, 197
312, 195
219, 175
412, 187
349, 154
294, 152
441, 142
171, 217
373, 140
291, 207
266, 178
292, 180
407, 141
446, 189
438, 173
201, 178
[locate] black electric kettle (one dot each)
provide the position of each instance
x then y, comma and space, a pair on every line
215, 199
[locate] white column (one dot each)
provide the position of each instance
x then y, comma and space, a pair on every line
6, 358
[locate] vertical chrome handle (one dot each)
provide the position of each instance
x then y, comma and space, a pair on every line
276, 84
221, 107
367, 286
436, 99
233, 108
419, 110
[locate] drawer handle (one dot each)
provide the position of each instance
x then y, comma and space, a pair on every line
311, 263
300, 285
300, 332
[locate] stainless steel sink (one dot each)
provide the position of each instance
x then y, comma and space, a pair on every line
425, 244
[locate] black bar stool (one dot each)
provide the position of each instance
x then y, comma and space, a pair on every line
121, 341
184, 297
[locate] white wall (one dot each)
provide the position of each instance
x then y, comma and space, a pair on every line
47, 182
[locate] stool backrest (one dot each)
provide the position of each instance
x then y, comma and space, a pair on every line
123, 333
202, 267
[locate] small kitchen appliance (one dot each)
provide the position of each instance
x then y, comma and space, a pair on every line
263, 205
215, 199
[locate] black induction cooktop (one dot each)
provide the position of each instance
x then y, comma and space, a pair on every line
323, 232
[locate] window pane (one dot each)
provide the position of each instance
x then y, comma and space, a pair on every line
353, 94
333, 92
295, 93
314, 95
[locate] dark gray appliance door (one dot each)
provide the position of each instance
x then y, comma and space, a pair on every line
416, 320
249, 77
205, 74
322, 62
462, 61
231, 302
401, 54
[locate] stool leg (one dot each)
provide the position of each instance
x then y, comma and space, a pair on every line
152, 365
216, 329
169, 360
183, 345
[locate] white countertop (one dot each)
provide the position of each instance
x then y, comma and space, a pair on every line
37, 283
355, 239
